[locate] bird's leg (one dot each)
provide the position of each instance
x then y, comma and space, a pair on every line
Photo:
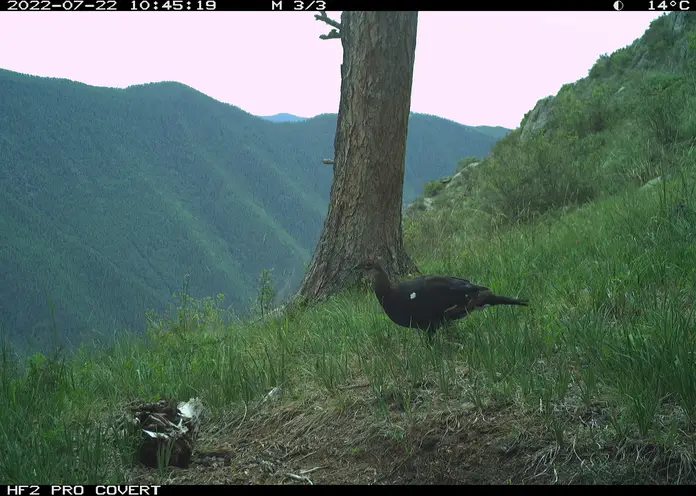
447, 329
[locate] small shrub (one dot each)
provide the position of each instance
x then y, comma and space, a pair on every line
432, 188
191, 315
528, 178
266, 293
580, 116
663, 106
466, 162
602, 67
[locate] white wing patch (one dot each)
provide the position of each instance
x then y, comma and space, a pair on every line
413, 295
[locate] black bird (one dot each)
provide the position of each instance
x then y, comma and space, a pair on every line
428, 302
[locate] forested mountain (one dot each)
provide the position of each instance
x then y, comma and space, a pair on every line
283, 117
109, 198
494, 131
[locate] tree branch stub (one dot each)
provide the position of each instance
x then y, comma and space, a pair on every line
334, 33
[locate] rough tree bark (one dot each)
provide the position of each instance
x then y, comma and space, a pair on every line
364, 217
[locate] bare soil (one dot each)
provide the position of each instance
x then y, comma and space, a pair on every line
351, 439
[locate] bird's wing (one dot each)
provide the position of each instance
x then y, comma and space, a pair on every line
464, 296
453, 290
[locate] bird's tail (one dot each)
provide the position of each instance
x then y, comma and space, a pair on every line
503, 300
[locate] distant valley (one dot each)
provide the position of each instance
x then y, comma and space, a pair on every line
111, 198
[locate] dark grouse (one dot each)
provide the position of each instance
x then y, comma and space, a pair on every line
428, 302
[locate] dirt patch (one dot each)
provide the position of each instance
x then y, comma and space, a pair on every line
327, 442
345, 439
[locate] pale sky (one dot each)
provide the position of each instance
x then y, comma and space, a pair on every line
471, 67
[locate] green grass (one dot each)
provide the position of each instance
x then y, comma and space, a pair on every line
609, 336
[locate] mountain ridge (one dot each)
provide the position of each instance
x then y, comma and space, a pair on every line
283, 117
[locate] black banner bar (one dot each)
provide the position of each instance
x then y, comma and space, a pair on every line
125, 490
120, 490
334, 5
85, 490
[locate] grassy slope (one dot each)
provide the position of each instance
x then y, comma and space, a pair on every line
595, 382
109, 198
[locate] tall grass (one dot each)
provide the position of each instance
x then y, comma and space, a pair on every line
611, 322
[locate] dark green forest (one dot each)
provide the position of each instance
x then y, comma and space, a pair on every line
111, 198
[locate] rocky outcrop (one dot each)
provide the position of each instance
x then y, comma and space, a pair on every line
538, 117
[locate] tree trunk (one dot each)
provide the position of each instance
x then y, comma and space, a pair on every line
364, 217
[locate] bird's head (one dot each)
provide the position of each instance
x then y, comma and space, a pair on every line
373, 269
369, 267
